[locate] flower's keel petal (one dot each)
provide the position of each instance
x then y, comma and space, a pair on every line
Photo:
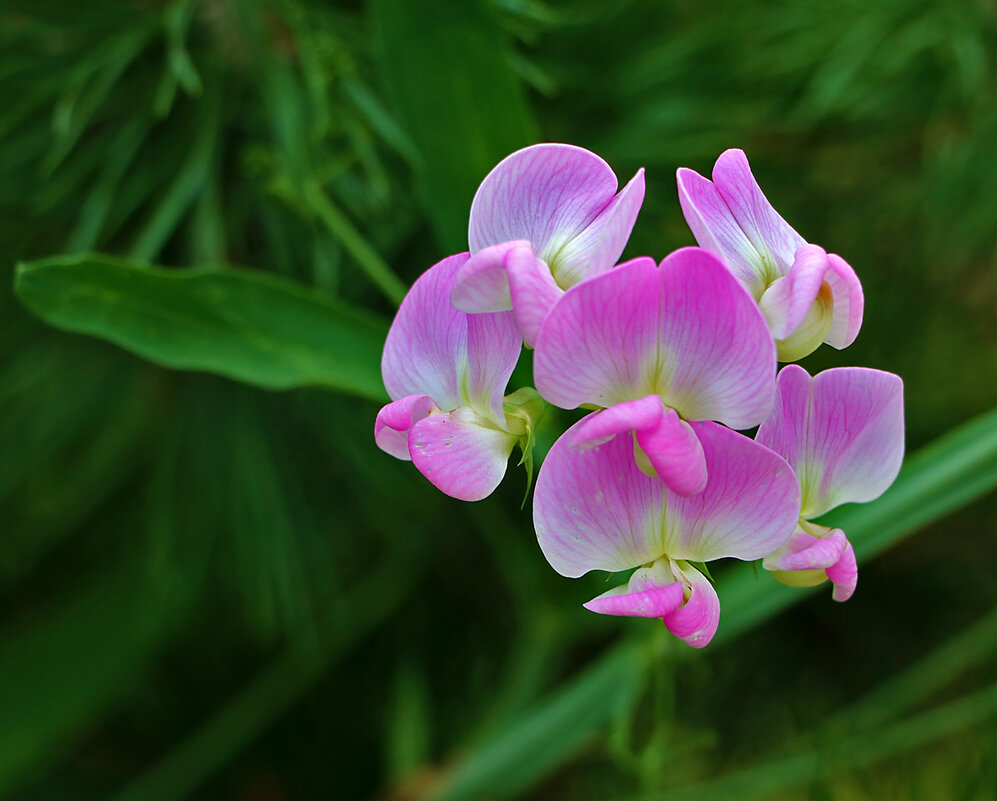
841, 431
532, 289
460, 457
848, 302
652, 599
391, 428
789, 299
675, 453
599, 246
621, 418
481, 284
546, 194
805, 560
696, 621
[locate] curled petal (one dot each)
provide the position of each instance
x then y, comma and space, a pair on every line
481, 284
787, 301
844, 574
842, 431
461, 457
696, 621
806, 560
456, 359
651, 592
595, 510
687, 332
668, 443
391, 428
533, 291
848, 302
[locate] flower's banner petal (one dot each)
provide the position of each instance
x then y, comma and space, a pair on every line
770, 234
848, 300
391, 428
716, 230
651, 592
674, 450
481, 284
599, 246
546, 194
533, 290
844, 574
842, 431
749, 507
696, 621
787, 301
458, 455
455, 358
595, 510
602, 426
687, 331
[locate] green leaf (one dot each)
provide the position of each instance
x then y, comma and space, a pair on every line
244, 325
447, 66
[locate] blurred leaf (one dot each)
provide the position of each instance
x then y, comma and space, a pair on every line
447, 66
243, 325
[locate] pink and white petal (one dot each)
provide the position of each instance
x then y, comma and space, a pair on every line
788, 300
459, 456
803, 551
482, 284
593, 509
715, 358
844, 574
599, 344
675, 453
749, 507
533, 291
848, 302
391, 428
545, 193
712, 223
842, 432
455, 358
696, 621
651, 592
599, 246
622, 418
770, 234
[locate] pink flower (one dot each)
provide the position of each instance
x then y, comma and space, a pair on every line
545, 219
446, 372
659, 346
595, 510
807, 295
842, 431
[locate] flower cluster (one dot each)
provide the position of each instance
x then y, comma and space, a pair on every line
673, 358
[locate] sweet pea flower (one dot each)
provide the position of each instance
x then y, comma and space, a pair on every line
842, 431
657, 347
446, 372
595, 510
544, 219
807, 295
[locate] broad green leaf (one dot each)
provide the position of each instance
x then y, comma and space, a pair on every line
447, 67
244, 325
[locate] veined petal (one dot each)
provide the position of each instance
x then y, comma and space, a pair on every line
848, 300
481, 284
842, 431
461, 457
621, 418
770, 234
687, 331
391, 428
595, 510
844, 574
546, 194
787, 301
805, 560
651, 592
601, 243
455, 358
696, 621
532, 289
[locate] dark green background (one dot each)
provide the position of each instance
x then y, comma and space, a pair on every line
216, 587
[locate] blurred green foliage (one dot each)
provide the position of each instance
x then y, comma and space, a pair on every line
212, 590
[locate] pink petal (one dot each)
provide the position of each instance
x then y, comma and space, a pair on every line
533, 291
602, 426
595, 510
848, 302
546, 194
601, 243
788, 299
391, 428
844, 574
482, 284
841, 431
770, 234
455, 358
461, 457
687, 331
829, 557
696, 621
652, 592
